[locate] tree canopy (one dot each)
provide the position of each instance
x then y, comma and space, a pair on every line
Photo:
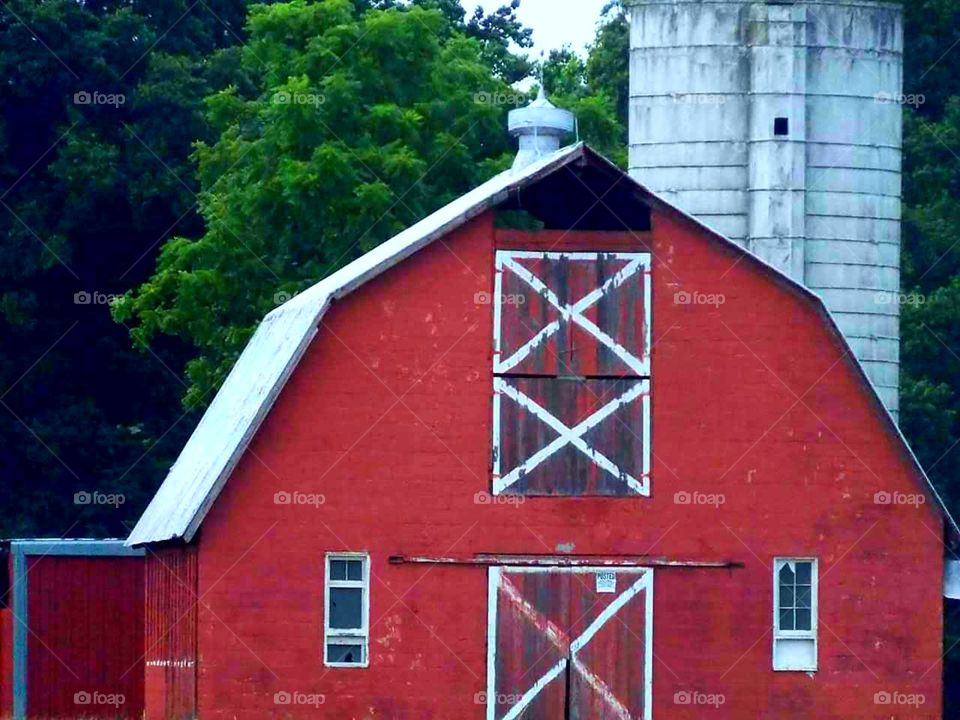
360, 124
99, 107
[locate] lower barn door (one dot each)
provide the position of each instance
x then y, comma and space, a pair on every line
570, 643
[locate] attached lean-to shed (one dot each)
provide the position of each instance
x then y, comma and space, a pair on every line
71, 629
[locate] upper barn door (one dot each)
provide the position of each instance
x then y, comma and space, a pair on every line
570, 644
571, 367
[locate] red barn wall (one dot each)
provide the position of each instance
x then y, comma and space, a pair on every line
170, 633
86, 636
388, 418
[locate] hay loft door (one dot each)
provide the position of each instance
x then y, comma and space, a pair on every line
571, 364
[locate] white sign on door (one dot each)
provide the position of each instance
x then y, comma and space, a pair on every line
606, 582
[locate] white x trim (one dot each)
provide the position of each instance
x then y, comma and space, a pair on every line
501, 584
570, 313
571, 436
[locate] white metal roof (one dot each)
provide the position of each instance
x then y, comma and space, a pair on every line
252, 386
73, 546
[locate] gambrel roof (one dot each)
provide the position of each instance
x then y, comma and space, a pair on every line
255, 382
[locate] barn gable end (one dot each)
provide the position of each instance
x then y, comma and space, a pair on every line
572, 189
380, 445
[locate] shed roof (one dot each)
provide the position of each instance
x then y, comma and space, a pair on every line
253, 385
78, 547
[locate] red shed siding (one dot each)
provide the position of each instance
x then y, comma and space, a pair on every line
388, 422
171, 634
6, 662
6, 635
86, 637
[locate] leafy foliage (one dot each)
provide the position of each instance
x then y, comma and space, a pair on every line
362, 123
565, 75
94, 95
931, 253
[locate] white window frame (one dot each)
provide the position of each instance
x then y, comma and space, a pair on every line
359, 636
810, 634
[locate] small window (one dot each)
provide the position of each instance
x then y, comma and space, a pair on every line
347, 610
795, 614
781, 127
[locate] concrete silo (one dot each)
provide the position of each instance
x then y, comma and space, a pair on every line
780, 125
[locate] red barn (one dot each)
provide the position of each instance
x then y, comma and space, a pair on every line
609, 466
71, 629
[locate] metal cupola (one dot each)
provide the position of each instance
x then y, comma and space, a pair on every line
540, 126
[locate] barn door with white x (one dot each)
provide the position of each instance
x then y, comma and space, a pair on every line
571, 373
570, 643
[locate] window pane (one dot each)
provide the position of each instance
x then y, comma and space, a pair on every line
338, 569
803, 620
803, 573
786, 575
786, 597
355, 570
346, 608
345, 654
787, 620
803, 597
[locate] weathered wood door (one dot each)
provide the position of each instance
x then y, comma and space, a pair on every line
571, 365
570, 643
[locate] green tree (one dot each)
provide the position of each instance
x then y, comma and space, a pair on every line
363, 121
608, 62
931, 252
566, 78
98, 108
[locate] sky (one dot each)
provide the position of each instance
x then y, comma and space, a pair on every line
554, 22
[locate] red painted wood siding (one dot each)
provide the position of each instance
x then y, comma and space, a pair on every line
171, 634
85, 646
388, 422
6, 662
